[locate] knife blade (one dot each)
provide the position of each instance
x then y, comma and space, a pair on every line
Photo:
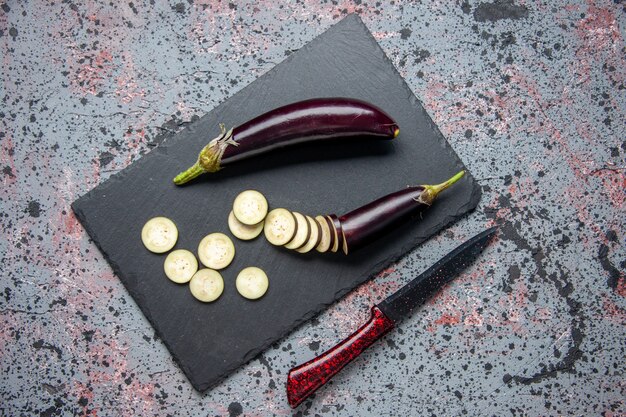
305, 379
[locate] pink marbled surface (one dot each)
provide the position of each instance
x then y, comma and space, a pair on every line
531, 97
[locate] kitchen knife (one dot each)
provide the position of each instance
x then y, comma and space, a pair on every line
304, 379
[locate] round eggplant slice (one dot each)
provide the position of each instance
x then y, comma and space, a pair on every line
252, 283
333, 230
280, 226
206, 285
333, 238
303, 231
250, 207
180, 265
314, 238
159, 234
243, 231
337, 231
216, 251
326, 237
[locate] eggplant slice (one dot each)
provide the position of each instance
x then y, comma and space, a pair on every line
314, 238
159, 234
206, 285
280, 226
180, 265
252, 283
303, 231
250, 207
243, 231
216, 251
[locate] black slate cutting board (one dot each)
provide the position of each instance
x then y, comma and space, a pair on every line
209, 341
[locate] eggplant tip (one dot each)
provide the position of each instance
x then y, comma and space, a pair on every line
396, 132
432, 191
440, 187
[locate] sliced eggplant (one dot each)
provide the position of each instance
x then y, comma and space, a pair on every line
280, 226
325, 235
367, 223
180, 265
314, 238
159, 234
250, 207
303, 231
345, 243
216, 251
252, 283
206, 285
243, 231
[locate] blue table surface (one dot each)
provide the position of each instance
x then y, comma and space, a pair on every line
531, 95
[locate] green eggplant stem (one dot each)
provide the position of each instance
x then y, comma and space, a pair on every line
190, 173
440, 187
431, 192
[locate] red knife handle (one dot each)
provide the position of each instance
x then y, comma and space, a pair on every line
303, 380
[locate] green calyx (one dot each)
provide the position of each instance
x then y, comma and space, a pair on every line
209, 158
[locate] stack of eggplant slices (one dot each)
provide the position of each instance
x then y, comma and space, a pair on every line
313, 120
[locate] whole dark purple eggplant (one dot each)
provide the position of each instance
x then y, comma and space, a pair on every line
369, 222
314, 119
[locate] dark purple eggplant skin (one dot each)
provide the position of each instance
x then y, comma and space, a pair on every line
373, 220
317, 119
314, 119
